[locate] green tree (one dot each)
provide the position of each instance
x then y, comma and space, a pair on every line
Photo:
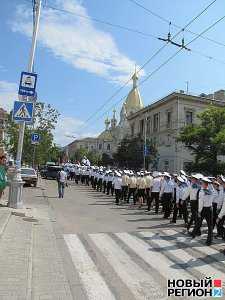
206, 141
130, 153
45, 119
79, 154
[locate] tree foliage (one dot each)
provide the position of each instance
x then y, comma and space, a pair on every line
206, 141
45, 120
130, 153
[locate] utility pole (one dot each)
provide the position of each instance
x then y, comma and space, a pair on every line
145, 140
187, 87
15, 199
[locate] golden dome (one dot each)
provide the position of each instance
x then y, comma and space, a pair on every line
134, 102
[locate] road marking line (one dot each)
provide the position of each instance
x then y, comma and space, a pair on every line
94, 284
155, 259
140, 283
196, 245
190, 261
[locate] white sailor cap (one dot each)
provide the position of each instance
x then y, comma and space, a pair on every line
179, 178
206, 179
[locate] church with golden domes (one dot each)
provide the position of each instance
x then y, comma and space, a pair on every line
108, 141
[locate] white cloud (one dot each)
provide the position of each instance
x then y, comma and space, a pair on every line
66, 130
8, 94
77, 41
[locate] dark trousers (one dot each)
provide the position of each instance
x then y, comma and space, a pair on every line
154, 196
215, 214
99, 185
104, 186
124, 192
95, 183
92, 181
132, 191
194, 213
77, 178
87, 179
118, 195
182, 205
206, 214
220, 228
167, 202
147, 195
82, 179
109, 186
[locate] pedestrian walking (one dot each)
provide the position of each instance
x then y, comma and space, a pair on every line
205, 210
3, 180
62, 182
117, 182
155, 190
166, 194
132, 186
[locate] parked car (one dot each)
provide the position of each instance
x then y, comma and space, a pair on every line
50, 172
29, 176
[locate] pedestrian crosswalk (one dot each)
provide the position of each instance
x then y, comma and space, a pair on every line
137, 265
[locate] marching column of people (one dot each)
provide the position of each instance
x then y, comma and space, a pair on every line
191, 198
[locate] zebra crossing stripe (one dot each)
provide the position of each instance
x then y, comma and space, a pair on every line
190, 261
92, 281
141, 284
202, 248
155, 259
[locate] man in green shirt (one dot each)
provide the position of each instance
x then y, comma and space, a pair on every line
3, 181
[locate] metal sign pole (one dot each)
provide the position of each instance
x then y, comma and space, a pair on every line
15, 200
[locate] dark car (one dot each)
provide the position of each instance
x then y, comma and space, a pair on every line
50, 172
29, 176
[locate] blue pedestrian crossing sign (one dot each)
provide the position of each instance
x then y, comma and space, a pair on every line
23, 111
27, 84
35, 138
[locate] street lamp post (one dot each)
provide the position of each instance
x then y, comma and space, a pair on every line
16, 185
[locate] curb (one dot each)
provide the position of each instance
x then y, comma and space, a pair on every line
5, 223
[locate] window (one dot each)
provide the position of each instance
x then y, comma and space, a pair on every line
141, 127
148, 129
189, 117
100, 146
156, 122
108, 147
166, 165
132, 129
168, 121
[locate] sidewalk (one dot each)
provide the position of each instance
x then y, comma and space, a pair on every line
30, 263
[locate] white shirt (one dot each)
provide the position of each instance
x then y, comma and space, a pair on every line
132, 182
167, 186
179, 192
191, 190
156, 185
205, 200
117, 183
222, 212
218, 197
149, 181
62, 176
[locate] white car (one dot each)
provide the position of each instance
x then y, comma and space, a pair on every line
29, 176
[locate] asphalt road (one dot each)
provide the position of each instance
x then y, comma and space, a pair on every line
120, 252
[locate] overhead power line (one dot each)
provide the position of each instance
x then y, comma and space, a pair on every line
165, 63
176, 25
146, 63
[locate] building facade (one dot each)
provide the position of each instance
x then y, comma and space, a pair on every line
3, 119
162, 121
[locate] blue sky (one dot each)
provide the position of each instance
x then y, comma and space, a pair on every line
81, 63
